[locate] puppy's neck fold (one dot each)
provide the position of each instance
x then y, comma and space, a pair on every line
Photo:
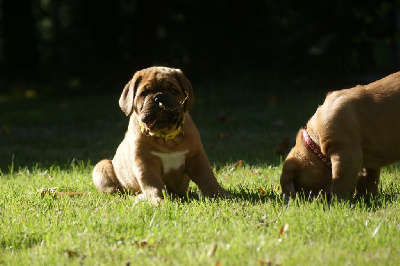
314, 137
310, 129
314, 148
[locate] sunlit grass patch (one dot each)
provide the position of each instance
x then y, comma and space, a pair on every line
255, 226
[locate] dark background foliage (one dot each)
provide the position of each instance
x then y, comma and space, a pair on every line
259, 69
80, 45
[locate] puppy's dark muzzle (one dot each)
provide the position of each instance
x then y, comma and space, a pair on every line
167, 117
161, 112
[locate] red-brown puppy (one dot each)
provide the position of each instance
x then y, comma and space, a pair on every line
162, 147
346, 142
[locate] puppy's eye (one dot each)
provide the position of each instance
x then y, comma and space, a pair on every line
144, 93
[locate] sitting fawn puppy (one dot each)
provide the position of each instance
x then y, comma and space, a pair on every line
162, 150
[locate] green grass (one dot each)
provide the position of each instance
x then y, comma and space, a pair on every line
54, 142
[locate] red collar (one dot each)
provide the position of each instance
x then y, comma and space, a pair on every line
315, 149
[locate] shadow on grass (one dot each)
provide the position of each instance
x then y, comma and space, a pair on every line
369, 203
364, 202
243, 194
374, 202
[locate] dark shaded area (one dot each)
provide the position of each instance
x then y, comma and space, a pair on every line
259, 69
80, 45
58, 130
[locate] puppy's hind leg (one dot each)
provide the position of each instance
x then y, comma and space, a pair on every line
368, 181
104, 177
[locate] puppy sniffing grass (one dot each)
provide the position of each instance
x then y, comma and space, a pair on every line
346, 142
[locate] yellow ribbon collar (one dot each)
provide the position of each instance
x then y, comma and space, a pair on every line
166, 137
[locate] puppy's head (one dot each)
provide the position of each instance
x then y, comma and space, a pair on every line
159, 96
303, 173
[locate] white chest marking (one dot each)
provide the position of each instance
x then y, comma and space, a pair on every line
171, 161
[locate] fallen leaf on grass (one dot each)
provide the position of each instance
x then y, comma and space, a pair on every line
47, 191
262, 191
235, 165
71, 254
145, 244
142, 243
218, 263
265, 262
238, 164
284, 228
212, 249
53, 192
275, 188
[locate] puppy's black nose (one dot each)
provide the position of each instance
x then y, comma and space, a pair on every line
159, 102
160, 99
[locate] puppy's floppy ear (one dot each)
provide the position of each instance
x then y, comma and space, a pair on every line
186, 88
126, 100
289, 172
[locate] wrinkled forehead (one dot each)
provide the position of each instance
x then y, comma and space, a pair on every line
159, 77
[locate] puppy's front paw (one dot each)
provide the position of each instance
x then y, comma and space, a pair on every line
341, 195
224, 195
221, 194
152, 199
139, 198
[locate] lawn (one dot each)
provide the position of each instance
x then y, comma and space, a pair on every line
50, 142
